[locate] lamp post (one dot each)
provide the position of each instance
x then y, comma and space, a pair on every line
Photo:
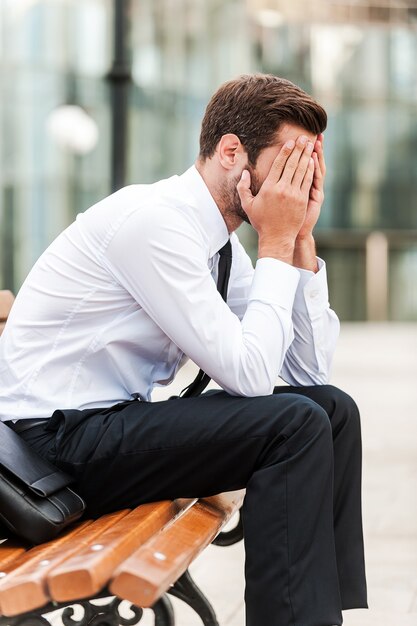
119, 78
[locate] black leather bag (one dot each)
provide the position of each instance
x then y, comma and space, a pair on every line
35, 501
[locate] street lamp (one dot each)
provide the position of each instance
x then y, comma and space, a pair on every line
73, 129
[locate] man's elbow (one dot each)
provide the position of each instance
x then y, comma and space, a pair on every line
251, 387
311, 379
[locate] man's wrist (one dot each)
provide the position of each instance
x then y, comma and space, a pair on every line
305, 253
281, 249
304, 239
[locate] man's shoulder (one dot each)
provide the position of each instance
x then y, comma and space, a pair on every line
163, 212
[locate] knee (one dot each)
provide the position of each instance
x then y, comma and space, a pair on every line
311, 430
341, 408
300, 423
288, 412
319, 419
311, 419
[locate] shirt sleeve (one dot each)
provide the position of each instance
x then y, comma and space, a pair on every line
160, 257
316, 330
316, 327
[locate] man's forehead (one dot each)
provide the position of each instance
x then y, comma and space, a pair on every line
292, 131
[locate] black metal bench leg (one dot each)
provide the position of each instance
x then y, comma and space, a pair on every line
91, 614
163, 611
101, 615
26, 620
109, 615
186, 590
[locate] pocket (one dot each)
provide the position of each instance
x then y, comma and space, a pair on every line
40, 439
70, 418
64, 423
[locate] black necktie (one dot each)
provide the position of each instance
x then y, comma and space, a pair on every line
225, 263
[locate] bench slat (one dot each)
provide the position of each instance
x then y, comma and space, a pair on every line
25, 588
148, 573
9, 551
88, 571
44, 549
40, 552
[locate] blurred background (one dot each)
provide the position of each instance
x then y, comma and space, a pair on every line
96, 94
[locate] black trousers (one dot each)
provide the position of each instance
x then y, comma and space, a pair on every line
297, 452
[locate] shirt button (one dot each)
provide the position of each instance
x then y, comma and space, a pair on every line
314, 294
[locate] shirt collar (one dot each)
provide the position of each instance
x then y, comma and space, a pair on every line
209, 213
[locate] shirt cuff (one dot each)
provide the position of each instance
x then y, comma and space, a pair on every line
312, 292
274, 282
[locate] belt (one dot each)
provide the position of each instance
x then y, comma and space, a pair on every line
21, 425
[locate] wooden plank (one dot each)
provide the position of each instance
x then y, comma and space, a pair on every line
6, 301
148, 573
24, 588
90, 569
228, 502
41, 551
10, 549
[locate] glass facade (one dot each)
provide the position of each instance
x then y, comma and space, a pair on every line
51, 53
59, 52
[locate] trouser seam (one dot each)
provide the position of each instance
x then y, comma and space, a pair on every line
288, 542
179, 449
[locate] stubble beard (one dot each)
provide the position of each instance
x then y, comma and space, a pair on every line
230, 196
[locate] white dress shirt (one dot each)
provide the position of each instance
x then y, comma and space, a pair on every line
115, 303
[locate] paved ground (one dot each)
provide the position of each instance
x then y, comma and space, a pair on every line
377, 364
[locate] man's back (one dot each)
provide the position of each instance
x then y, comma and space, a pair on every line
75, 331
87, 339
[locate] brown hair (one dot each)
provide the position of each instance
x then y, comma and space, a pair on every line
254, 107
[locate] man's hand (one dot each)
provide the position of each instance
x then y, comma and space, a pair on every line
316, 192
305, 249
278, 211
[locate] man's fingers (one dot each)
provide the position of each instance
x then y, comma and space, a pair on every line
278, 165
318, 148
243, 189
303, 163
318, 175
293, 160
308, 178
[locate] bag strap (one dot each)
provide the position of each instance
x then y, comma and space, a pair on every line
225, 264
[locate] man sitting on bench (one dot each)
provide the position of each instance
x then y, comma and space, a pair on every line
134, 286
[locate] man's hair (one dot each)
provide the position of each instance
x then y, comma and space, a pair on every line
254, 107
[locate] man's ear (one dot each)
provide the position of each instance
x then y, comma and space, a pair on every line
230, 151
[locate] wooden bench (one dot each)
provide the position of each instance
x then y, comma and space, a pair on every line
138, 555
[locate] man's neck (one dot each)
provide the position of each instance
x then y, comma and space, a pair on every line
232, 220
